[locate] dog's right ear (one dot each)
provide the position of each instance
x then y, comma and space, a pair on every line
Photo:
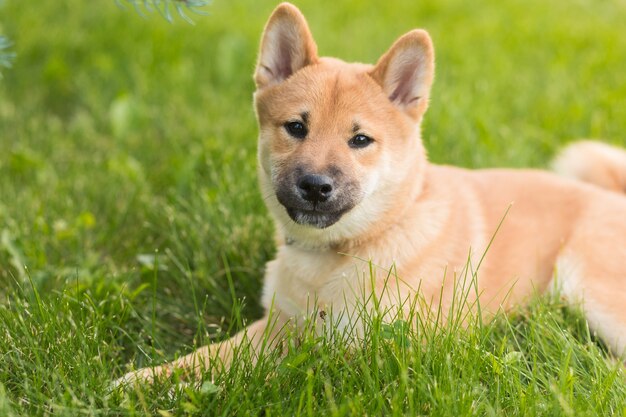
286, 47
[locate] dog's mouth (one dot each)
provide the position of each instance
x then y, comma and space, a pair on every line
315, 217
309, 205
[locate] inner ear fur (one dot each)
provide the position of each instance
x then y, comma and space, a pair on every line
405, 72
286, 46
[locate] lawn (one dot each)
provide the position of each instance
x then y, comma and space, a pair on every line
132, 230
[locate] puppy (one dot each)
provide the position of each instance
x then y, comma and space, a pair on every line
342, 162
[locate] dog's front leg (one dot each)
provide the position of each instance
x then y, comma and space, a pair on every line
263, 333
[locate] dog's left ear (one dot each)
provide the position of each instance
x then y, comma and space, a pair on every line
286, 47
405, 72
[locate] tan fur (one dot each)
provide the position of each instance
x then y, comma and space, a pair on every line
594, 162
424, 219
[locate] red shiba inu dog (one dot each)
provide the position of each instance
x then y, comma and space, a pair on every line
342, 161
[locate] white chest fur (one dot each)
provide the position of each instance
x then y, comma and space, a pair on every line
298, 281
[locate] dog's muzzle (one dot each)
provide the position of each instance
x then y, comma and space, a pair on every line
316, 200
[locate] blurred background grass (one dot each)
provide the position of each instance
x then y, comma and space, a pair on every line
127, 144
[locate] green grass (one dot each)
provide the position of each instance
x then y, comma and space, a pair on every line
128, 190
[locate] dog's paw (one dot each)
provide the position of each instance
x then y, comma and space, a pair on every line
144, 376
147, 377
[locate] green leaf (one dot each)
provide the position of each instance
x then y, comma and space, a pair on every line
208, 388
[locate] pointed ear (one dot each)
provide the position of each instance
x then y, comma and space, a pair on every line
405, 72
286, 47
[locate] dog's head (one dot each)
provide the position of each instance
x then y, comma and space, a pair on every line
339, 144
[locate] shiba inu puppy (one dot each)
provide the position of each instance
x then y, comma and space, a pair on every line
347, 180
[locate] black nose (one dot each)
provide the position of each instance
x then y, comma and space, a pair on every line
315, 188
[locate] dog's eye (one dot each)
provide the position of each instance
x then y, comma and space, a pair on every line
360, 141
296, 129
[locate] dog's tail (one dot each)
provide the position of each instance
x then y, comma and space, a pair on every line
593, 162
